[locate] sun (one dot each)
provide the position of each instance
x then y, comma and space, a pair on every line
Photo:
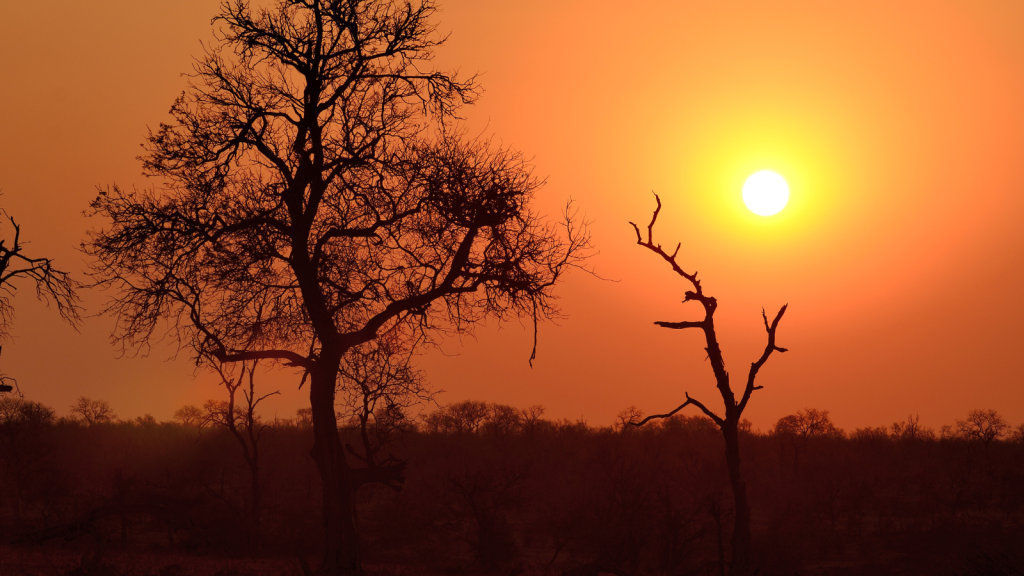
765, 193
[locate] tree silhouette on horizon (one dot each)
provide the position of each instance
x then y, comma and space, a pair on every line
315, 194
741, 563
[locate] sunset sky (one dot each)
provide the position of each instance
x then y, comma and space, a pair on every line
898, 125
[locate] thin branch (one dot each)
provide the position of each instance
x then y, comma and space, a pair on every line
671, 259
682, 325
688, 402
287, 356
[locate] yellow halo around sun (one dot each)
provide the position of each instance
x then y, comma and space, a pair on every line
765, 193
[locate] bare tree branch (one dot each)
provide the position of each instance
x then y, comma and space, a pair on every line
681, 325
689, 401
768, 349
51, 284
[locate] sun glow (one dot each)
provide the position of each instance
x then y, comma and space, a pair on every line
765, 193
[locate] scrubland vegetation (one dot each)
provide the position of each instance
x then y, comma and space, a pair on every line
496, 489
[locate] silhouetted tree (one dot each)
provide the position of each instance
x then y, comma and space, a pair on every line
531, 418
504, 419
145, 420
873, 433
911, 429
466, 417
475, 417
740, 563
189, 415
982, 425
1017, 434
51, 284
314, 196
807, 423
89, 411
628, 418
800, 427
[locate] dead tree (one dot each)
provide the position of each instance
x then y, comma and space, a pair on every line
741, 563
314, 194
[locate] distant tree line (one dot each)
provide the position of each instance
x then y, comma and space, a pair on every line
495, 488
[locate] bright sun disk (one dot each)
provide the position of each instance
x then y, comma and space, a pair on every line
765, 193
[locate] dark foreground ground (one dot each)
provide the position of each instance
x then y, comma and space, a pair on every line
60, 561
1000, 556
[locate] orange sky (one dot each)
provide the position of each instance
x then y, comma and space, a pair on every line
899, 126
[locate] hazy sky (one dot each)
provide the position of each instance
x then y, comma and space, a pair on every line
899, 126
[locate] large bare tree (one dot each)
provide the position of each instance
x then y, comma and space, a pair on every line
314, 194
740, 563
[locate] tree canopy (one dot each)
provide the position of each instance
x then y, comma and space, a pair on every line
314, 192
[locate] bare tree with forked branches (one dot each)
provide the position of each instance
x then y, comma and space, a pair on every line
741, 563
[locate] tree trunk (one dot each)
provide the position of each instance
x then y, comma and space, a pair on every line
741, 540
342, 540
